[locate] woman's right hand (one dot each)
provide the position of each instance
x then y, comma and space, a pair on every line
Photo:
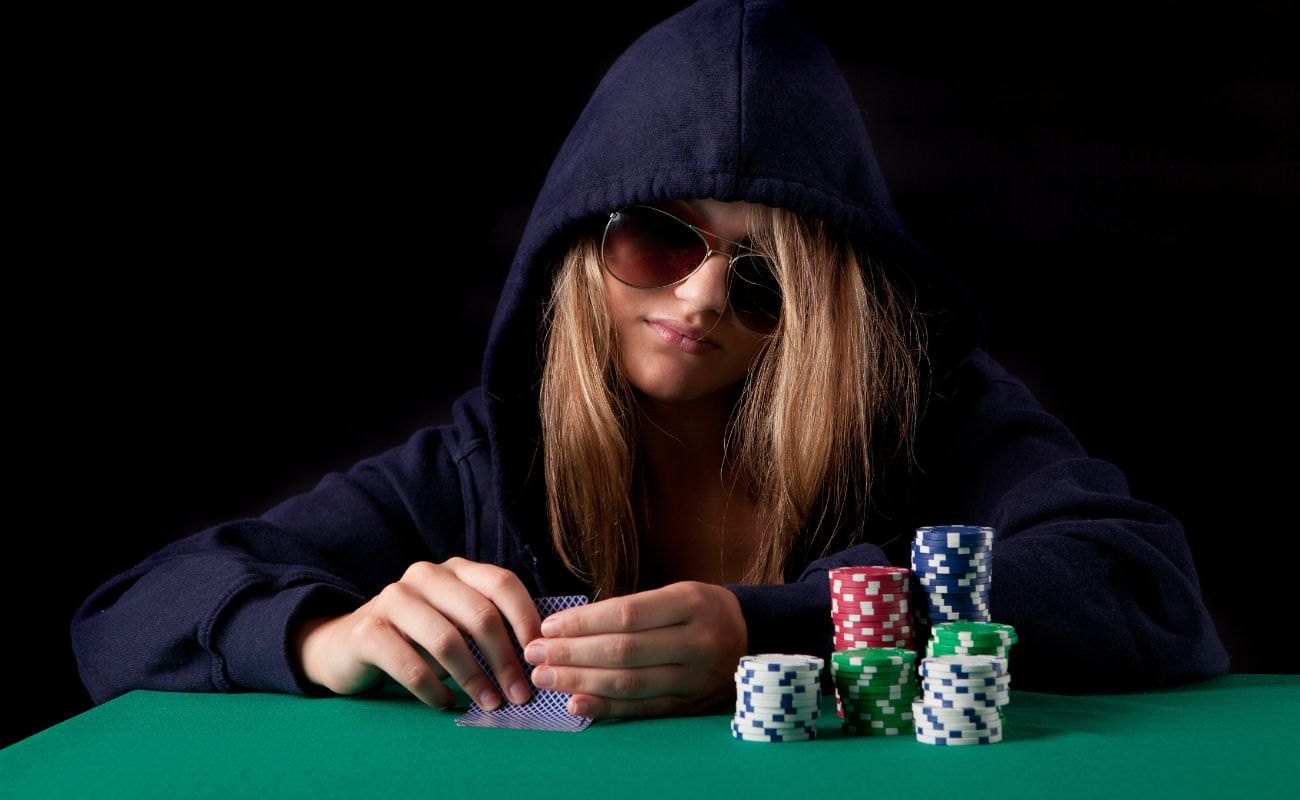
412, 632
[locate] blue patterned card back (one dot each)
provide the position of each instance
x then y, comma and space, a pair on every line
546, 711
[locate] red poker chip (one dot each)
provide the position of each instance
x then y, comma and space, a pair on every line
905, 642
885, 621
870, 571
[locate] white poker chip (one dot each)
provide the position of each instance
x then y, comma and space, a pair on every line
781, 662
761, 701
926, 735
759, 722
987, 682
969, 665
796, 736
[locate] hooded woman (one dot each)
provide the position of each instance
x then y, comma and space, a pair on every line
719, 366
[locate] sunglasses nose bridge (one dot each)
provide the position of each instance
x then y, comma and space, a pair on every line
708, 288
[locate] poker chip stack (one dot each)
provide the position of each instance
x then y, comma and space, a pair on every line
962, 701
870, 607
964, 638
778, 698
876, 687
953, 564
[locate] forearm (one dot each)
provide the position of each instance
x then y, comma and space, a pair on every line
208, 621
795, 617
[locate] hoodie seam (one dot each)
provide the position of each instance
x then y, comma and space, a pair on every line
472, 447
561, 216
740, 101
469, 500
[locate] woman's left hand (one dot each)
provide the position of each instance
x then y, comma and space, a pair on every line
667, 651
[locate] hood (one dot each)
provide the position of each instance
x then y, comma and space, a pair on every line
729, 99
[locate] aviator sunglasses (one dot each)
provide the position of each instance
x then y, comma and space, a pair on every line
648, 248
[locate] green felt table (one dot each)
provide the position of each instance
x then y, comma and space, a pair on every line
1230, 737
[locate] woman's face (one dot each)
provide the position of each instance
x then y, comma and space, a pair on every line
658, 358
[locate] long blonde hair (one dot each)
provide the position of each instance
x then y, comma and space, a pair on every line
833, 395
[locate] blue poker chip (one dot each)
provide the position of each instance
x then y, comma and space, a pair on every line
959, 527
957, 586
980, 550
924, 574
926, 578
958, 599
979, 558
929, 531
940, 573
963, 609
960, 617
954, 542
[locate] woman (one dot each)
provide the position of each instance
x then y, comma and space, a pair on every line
718, 367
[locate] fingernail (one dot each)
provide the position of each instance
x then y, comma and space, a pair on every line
519, 692
543, 677
535, 653
488, 700
581, 708
550, 627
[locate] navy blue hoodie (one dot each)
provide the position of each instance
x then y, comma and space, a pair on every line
735, 101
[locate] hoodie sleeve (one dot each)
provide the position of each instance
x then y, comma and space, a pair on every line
214, 611
1100, 587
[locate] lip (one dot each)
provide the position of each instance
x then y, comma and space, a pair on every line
683, 337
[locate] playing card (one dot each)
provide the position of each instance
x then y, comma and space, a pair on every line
546, 710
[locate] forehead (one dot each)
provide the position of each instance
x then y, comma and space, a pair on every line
724, 219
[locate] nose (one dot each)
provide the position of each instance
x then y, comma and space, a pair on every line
706, 287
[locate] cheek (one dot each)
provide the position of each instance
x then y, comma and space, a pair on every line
624, 312
621, 302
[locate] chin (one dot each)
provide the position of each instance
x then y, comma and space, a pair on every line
669, 383
668, 394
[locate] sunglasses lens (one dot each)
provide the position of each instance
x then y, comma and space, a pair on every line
645, 248
755, 294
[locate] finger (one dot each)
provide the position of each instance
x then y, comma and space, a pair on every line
507, 592
671, 645
428, 657
484, 593
596, 707
621, 684
440, 637
656, 608
388, 650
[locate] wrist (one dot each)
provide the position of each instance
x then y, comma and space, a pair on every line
306, 643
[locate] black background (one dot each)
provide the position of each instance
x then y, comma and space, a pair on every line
265, 248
